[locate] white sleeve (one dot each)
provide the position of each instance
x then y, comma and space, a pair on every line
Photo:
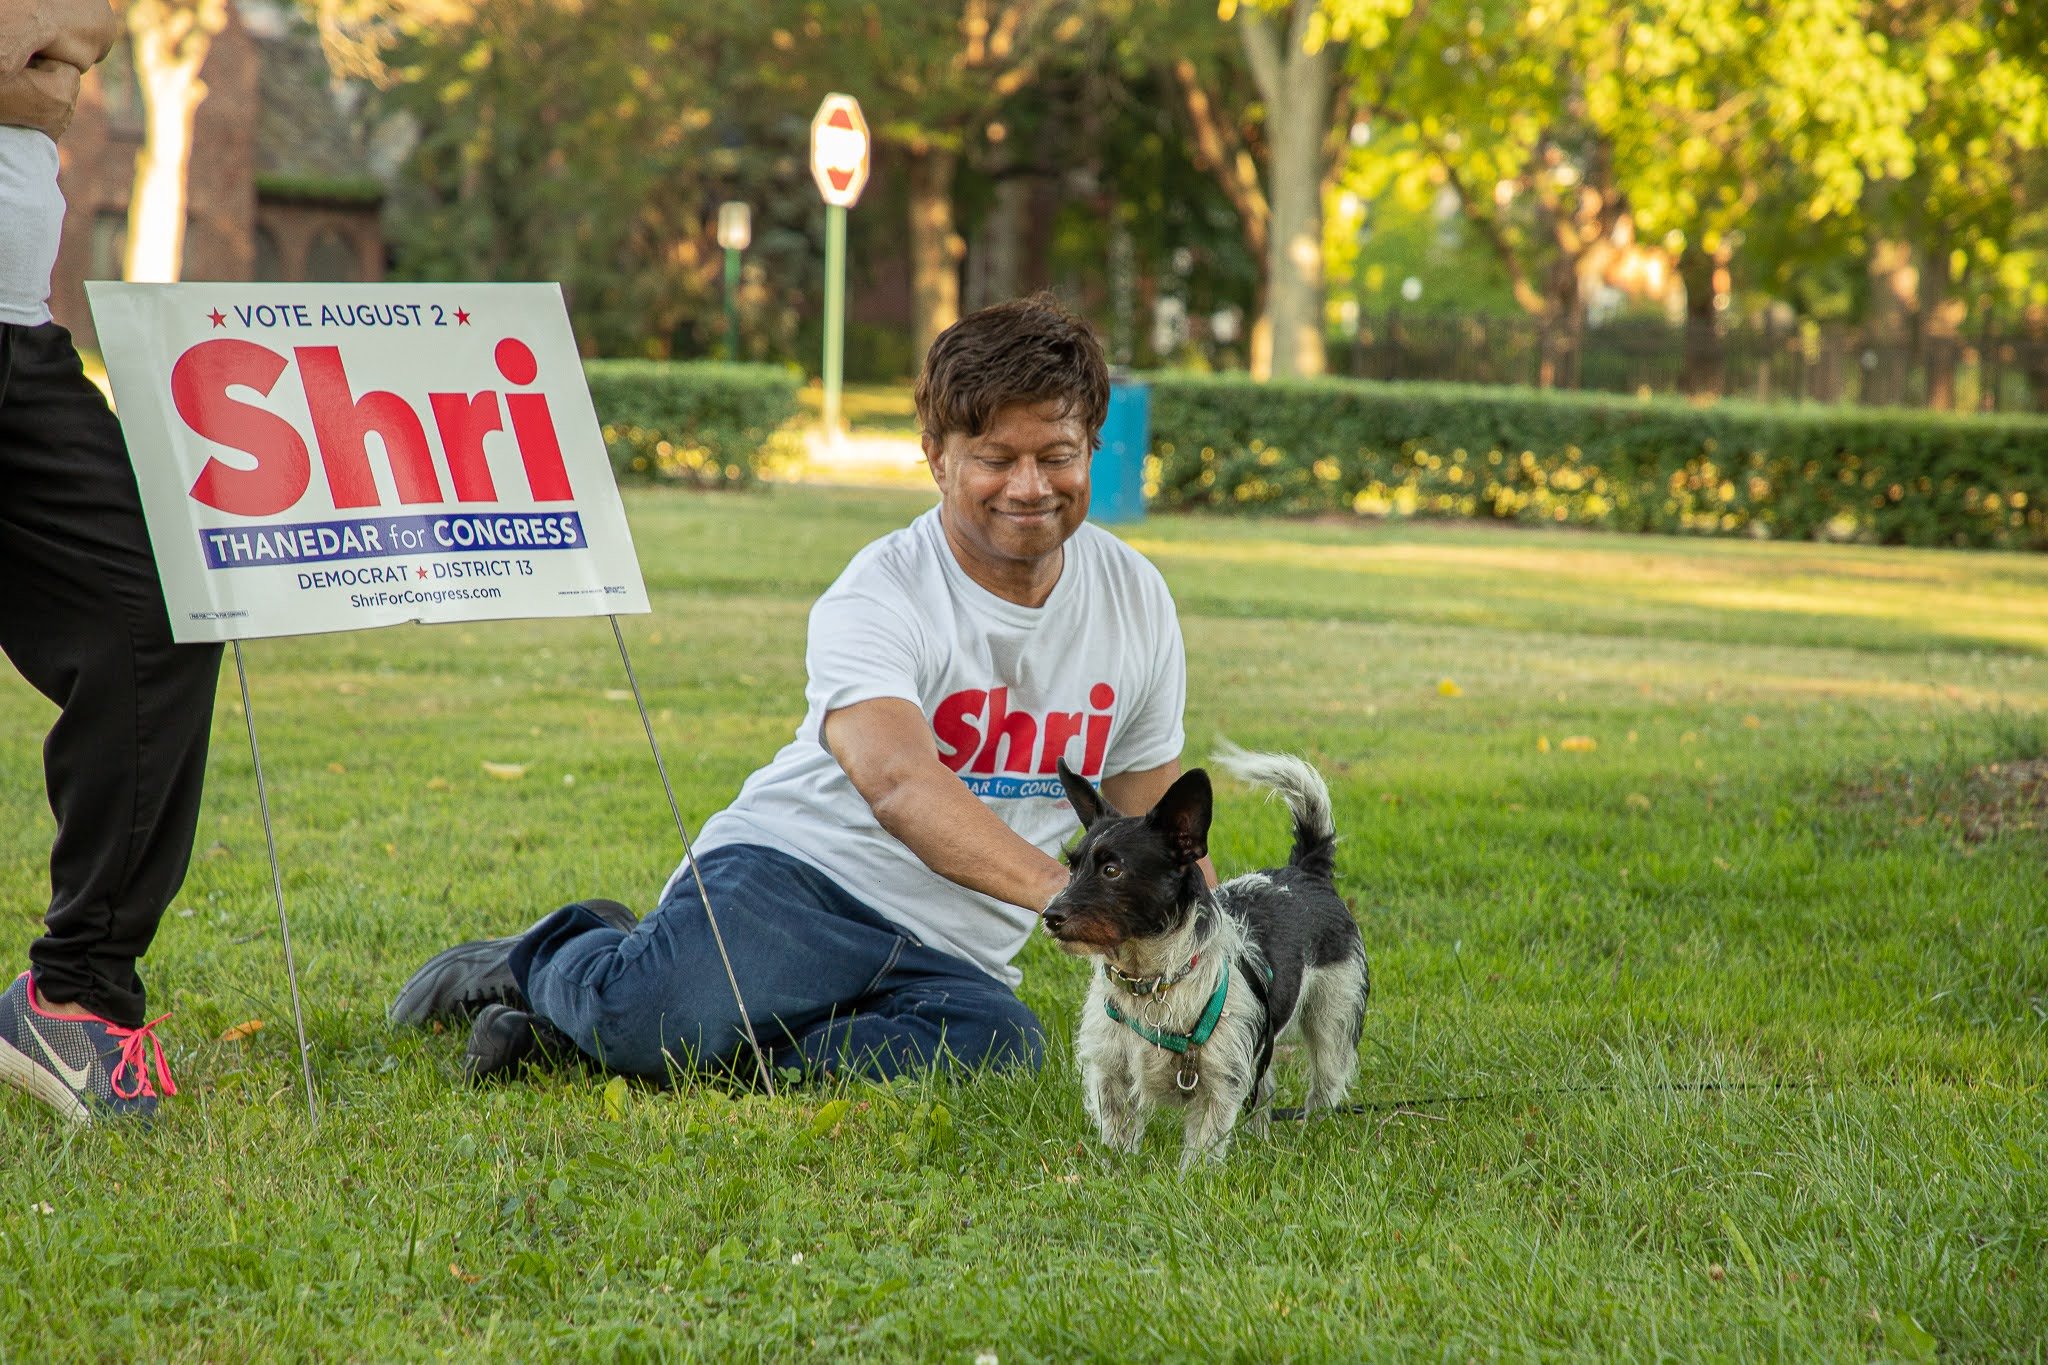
1152, 733
860, 649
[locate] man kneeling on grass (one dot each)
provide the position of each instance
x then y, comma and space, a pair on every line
874, 881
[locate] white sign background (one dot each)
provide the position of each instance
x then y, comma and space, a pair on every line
337, 457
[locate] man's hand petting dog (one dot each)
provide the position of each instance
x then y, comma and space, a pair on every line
1194, 986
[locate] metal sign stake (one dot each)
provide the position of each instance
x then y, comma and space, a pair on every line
284, 926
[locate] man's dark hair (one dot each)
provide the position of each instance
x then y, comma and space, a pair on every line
1028, 350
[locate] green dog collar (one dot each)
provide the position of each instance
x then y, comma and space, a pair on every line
1179, 1042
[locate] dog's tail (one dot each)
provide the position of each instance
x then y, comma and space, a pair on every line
1306, 794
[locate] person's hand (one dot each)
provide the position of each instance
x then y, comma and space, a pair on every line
76, 33
85, 33
41, 96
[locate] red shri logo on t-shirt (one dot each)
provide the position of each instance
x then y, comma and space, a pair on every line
985, 741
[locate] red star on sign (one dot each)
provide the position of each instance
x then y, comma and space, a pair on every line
462, 317
421, 572
218, 318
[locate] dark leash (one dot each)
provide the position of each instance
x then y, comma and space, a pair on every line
1391, 1107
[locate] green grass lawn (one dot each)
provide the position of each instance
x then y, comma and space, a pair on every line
1687, 858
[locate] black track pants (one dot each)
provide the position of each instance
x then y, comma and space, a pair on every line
82, 616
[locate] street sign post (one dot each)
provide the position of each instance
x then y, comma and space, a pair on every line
839, 163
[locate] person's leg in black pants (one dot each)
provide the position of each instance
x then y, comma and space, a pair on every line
82, 617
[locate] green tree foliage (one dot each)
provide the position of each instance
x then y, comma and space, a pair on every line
935, 79
1138, 222
1819, 151
1878, 160
1492, 101
1143, 217
591, 145
1371, 251
1963, 219
1266, 106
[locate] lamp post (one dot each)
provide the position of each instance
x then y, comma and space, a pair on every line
735, 233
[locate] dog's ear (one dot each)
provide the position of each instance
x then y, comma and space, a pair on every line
1088, 803
1182, 815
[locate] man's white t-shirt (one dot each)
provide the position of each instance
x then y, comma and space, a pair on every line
1095, 675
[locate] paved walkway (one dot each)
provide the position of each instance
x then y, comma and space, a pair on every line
863, 459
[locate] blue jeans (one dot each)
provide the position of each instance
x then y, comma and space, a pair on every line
830, 984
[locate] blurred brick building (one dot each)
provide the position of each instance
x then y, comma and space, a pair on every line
279, 184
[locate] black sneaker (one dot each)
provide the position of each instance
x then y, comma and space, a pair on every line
505, 1039
457, 982
84, 1068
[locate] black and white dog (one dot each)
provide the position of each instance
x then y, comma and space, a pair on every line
1196, 985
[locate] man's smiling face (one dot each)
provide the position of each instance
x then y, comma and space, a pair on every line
1011, 496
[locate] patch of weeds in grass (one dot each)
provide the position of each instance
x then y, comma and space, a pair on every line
2018, 735
1990, 779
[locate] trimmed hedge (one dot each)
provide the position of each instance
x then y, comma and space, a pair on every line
1884, 475
359, 190
703, 423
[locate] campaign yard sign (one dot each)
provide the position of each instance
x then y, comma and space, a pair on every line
333, 457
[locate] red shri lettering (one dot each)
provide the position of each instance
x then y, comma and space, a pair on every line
1019, 729
341, 422
978, 728
954, 725
533, 428
279, 468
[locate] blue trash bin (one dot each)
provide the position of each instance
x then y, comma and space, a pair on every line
1117, 481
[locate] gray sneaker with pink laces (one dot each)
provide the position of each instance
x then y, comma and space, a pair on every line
84, 1068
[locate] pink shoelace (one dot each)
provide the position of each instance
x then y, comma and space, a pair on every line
139, 1048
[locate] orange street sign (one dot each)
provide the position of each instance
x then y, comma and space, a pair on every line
839, 150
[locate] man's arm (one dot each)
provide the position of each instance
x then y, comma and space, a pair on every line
1136, 793
887, 749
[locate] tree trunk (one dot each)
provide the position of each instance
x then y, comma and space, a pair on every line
1891, 319
171, 39
1941, 336
1297, 87
935, 247
996, 268
1705, 360
1563, 328
1217, 149
2033, 358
